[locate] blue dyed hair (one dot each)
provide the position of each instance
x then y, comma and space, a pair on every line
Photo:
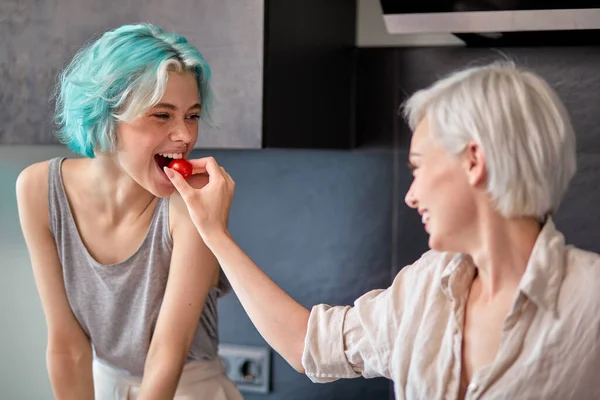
117, 78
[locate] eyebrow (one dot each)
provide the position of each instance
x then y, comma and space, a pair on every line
172, 107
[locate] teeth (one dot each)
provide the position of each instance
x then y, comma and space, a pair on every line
171, 155
425, 217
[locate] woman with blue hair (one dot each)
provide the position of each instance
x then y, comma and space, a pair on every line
128, 287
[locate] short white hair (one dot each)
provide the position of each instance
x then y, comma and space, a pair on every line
520, 123
149, 91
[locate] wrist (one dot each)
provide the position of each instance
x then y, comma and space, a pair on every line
215, 237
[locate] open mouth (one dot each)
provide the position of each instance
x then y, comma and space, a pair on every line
162, 160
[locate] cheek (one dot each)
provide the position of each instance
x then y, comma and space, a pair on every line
193, 130
454, 202
448, 188
139, 140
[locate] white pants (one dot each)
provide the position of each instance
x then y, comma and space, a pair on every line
199, 381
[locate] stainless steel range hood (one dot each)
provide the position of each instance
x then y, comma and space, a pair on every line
489, 16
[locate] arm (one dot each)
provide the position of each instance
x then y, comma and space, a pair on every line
281, 320
329, 343
278, 317
191, 274
326, 343
69, 353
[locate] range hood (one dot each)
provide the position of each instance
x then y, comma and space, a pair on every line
497, 20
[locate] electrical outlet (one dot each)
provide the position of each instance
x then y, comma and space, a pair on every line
249, 367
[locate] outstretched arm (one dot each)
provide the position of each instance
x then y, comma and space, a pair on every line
327, 343
280, 319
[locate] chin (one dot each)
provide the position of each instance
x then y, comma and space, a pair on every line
433, 244
163, 192
437, 243
160, 190
445, 243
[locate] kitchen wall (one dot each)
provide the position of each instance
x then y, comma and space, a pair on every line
325, 225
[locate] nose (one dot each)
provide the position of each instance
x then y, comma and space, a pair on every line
180, 132
410, 199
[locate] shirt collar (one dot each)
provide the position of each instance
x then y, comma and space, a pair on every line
457, 277
546, 268
543, 275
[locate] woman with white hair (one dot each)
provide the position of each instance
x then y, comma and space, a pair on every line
501, 306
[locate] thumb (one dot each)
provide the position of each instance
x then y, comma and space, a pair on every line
180, 184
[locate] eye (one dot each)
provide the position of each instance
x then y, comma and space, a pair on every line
413, 169
193, 116
161, 115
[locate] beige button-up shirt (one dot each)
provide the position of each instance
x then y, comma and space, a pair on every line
412, 331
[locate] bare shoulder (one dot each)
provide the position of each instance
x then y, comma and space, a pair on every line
32, 189
33, 175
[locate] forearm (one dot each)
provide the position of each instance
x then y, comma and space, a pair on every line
279, 318
161, 375
71, 375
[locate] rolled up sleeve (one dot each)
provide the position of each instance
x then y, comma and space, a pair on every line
323, 358
358, 341
349, 342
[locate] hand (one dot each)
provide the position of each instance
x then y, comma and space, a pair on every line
208, 206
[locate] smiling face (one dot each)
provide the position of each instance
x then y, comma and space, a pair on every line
443, 189
167, 130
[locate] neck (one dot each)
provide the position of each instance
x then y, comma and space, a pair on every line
502, 250
114, 193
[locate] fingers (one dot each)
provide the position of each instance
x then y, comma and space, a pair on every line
204, 165
180, 184
228, 178
213, 169
198, 165
209, 165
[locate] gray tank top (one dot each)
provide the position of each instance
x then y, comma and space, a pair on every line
117, 305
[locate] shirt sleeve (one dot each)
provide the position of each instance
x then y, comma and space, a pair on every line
349, 342
358, 341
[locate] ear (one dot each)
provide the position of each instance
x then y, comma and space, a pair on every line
474, 161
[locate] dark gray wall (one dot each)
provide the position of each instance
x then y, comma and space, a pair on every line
319, 223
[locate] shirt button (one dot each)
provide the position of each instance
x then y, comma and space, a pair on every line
473, 387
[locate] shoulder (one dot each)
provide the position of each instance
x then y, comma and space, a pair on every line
430, 266
32, 187
580, 259
33, 175
422, 279
581, 279
575, 326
